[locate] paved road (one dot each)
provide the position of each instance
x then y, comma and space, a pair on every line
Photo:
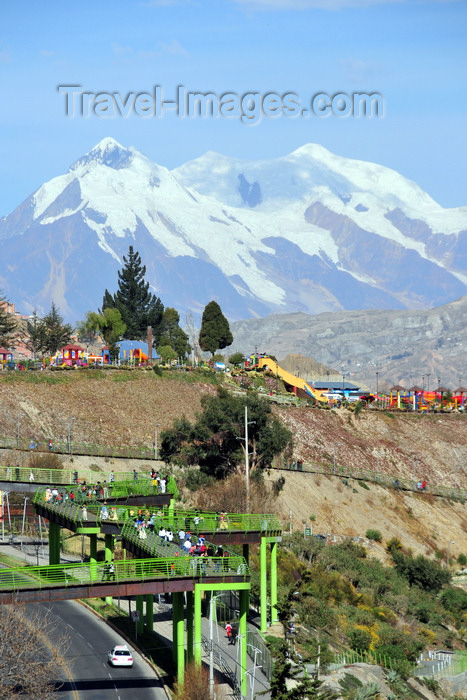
88, 675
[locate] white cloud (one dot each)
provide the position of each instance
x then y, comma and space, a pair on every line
120, 50
174, 48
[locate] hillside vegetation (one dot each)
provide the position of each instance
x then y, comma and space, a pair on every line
349, 595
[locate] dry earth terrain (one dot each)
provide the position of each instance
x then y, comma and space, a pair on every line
126, 408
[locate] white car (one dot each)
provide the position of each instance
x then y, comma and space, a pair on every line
120, 656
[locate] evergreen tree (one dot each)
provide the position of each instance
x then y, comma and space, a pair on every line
35, 334
305, 687
54, 333
172, 335
212, 441
138, 307
7, 324
215, 330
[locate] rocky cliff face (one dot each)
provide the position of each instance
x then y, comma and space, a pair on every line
403, 347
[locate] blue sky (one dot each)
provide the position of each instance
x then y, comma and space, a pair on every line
413, 53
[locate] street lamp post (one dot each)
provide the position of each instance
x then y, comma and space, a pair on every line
428, 381
18, 430
69, 434
156, 441
377, 377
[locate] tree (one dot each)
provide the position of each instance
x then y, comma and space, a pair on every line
109, 324
35, 334
172, 335
215, 330
420, 571
213, 441
236, 359
166, 353
28, 664
286, 669
138, 307
54, 334
7, 324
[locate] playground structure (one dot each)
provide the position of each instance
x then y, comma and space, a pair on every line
157, 568
298, 386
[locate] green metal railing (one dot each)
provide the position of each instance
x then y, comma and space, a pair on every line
137, 570
388, 480
232, 564
177, 519
124, 484
79, 448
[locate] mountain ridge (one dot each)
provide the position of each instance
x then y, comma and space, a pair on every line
309, 232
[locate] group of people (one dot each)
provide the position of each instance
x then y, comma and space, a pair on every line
188, 544
159, 481
232, 633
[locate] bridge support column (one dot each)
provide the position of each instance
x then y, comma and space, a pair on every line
93, 556
108, 556
140, 608
171, 509
54, 543
178, 635
246, 553
274, 617
189, 625
149, 612
263, 591
242, 630
197, 638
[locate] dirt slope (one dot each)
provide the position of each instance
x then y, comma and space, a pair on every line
127, 408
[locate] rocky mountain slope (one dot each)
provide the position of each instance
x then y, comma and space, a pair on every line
424, 347
308, 232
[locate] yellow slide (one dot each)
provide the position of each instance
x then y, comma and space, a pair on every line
290, 379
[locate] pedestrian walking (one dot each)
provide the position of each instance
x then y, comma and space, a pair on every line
233, 635
84, 513
228, 631
31, 476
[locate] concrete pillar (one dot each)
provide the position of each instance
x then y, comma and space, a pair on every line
263, 590
140, 609
178, 635
246, 553
189, 625
93, 556
242, 630
274, 617
149, 612
108, 556
54, 543
197, 637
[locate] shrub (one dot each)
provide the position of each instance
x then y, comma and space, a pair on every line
45, 461
359, 639
374, 535
420, 571
278, 485
364, 485
462, 560
196, 479
157, 370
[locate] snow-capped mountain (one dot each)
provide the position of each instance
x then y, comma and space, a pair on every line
308, 232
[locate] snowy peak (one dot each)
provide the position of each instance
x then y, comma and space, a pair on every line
107, 152
309, 231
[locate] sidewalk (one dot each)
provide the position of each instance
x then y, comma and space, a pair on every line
227, 654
